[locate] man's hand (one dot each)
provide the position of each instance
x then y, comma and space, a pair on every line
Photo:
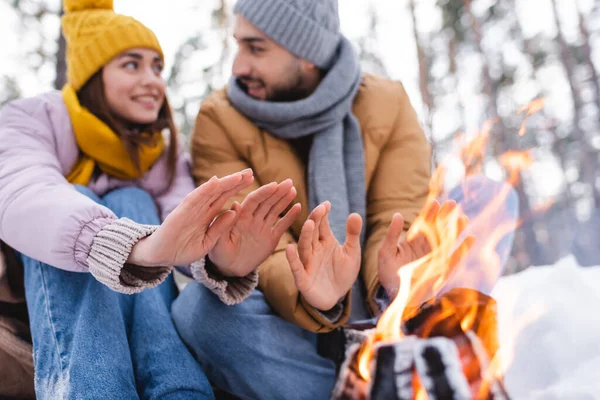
192, 229
324, 271
257, 229
397, 251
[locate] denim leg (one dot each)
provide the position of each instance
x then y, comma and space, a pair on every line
133, 203
475, 272
79, 332
164, 368
249, 351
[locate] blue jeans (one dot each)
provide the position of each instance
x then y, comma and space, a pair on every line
93, 343
251, 352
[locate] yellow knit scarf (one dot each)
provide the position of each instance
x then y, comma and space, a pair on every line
100, 146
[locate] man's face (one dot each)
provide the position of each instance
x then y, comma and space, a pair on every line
267, 71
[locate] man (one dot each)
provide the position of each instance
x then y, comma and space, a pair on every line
299, 107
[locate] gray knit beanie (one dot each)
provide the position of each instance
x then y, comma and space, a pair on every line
310, 29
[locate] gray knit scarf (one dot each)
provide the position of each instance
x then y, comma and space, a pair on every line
336, 165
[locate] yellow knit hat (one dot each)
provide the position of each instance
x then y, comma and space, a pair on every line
95, 34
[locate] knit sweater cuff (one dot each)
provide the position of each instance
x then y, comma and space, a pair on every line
229, 290
108, 256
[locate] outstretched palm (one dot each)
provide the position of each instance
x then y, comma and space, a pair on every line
397, 251
257, 229
324, 271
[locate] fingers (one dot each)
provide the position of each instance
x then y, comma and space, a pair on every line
217, 205
353, 229
254, 199
288, 219
305, 241
451, 220
420, 246
432, 210
223, 223
463, 222
208, 199
265, 206
214, 188
446, 209
317, 216
429, 213
236, 207
239, 179
318, 211
280, 206
325, 231
298, 271
447, 216
389, 246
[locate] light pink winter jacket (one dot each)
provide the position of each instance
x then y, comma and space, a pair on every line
41, 214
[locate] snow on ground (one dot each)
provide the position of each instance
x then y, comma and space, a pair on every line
557, 355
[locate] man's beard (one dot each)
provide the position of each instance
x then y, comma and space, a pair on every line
284, 93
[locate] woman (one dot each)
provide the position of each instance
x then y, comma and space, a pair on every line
86, 177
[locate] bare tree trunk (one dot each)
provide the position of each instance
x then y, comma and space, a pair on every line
585, 35
589, 159
560, 149
61, 60
367, 49
568, 62
423, 68
222, 16
488, 84
453, 69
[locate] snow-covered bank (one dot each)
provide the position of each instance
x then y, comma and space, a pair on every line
557, 356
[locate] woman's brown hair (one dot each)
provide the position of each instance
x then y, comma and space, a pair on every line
92, 97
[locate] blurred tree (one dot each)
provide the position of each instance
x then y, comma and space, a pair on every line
182, 102
468, 34
588, 156
569, 64
9, 90
47, 51
424, 69
193, 75
586, 53
61, 59
368, 53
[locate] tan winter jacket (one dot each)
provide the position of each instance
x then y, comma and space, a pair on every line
397, 174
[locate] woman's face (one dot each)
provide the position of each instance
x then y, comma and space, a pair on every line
134, 87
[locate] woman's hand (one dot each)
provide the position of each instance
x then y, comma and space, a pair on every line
192, 229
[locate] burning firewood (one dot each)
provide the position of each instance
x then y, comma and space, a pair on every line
437, 358
445, 347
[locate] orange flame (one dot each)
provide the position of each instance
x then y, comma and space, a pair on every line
423, 279
473, 152
543, 207
421, 394
503, 358
530, 109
